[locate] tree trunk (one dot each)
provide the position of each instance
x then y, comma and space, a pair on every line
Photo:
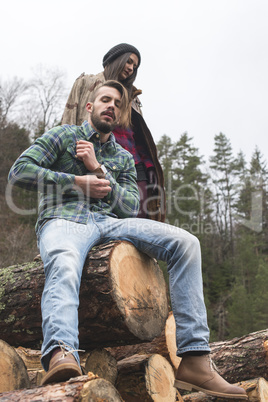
82, 389
146, 378
123, 299
13, 372
256, 389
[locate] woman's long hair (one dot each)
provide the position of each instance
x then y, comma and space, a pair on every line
113, 70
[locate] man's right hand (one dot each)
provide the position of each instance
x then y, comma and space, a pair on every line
93, 187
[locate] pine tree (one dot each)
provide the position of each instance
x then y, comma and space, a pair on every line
222, 166
249, 293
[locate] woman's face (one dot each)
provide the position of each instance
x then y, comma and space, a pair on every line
129, 67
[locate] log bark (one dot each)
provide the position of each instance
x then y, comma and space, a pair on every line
123, 299
13, 372
146, 378
256, 389
242, 358
82, 389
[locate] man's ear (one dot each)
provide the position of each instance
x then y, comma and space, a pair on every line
89, 106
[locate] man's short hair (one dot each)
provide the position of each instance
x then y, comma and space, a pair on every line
120, 88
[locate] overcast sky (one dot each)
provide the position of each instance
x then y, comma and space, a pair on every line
204, 67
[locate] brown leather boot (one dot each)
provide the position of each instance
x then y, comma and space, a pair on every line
198, 373
62, 367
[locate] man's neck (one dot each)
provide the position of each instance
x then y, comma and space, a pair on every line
103, 137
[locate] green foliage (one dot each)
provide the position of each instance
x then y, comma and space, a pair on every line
17, 237
220, 209
186, 190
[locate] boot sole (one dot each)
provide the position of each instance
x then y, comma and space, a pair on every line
189, 387
62, 372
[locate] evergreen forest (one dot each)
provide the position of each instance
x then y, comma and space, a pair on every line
222, 201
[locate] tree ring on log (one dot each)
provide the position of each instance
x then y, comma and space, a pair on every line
139, 289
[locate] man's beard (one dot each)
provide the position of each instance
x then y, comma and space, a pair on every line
103, 127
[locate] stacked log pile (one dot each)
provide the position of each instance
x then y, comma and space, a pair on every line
123, 300
126, 330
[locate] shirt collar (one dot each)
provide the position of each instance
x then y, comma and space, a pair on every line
89, 132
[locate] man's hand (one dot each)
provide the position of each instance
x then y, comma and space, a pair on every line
92, 186
85, 152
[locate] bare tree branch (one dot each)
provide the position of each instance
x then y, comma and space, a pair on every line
10, 92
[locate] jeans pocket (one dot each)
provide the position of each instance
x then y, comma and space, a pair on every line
40, 229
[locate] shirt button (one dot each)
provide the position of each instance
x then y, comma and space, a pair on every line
114, 167
97, 136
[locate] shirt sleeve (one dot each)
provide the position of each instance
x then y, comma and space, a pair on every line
124, 196
32, 170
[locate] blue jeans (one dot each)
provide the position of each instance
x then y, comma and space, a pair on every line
64, 246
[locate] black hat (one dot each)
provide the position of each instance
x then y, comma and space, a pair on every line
117, 51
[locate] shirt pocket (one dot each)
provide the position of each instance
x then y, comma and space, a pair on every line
114, 168
70, 163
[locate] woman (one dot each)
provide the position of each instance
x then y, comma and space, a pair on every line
121, 63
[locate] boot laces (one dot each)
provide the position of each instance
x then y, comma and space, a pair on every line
66, 350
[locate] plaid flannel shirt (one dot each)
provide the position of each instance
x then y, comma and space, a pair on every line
50, 166
126, 138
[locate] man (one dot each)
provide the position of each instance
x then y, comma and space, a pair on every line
121, 63
90, 197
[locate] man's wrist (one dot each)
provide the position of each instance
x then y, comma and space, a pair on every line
96, 169
100, 171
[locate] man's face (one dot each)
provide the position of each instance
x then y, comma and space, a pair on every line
105, 110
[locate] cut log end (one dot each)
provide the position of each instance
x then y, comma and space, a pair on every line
103, 364
139, 290
159, 377
13, 372
146, 378
170, 336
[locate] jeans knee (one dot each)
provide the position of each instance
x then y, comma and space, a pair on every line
194, 241
188, 246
